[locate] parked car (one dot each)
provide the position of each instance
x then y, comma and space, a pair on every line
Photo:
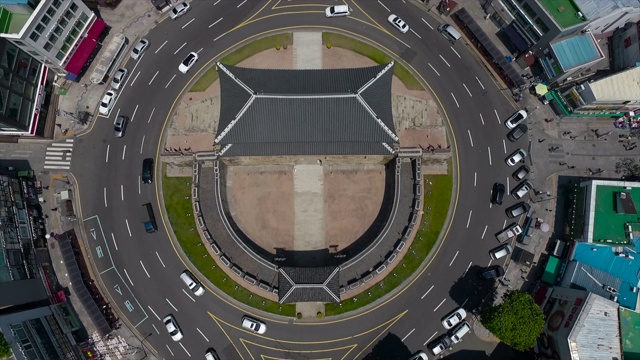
497, 194
419, 356
180, 9
441, 344
516, 157
188, 62
337, 10
459, 331
515, 119
454, 318
147, 171
517, 209
191, 282
254, 325
398, 23
517, 132
140, 47
500, 251
120, 125
491, 272
107, 102
211, 354
522, 189
172, 327
118, 78
521, 172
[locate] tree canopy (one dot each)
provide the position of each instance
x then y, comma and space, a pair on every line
5, 348
518, 321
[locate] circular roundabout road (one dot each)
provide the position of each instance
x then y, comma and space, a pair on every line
139, 271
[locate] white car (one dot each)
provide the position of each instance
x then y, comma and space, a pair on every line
337, 10
188, 62
454, 318
179, 10
398, 23
515, 119
140, 47
118, 78
419, 356
172, 327
107, 102
516, 157
193, 284
254, 325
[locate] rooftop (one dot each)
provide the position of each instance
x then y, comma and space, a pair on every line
609, 222
623, 86
593, 9
11, 23
630, 333
562, 11
577, 50
595, 334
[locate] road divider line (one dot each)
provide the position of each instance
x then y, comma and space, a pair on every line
454, 258
168, 348
475, 178
469, 92
425, 294
154, 313
386, 8
142, 144
434, 69
189, 296
482, 86
489, 149
166, 86
107, 159
105, 197
508, 187
504, 145
445, 61
174, 308
128, 228
124, 151
134, 113
122, 192
161, 46
454, 50
139, 181
202, 335
484, 232
429, 339
242, 3
429, 25
154, 77
182, 346
406, 336
415, 33
187, 24
131, 282
114, 241
497, 116
216, 39
135, 78
454, 99
180, 48
468, 267
482, 119
210, 26
470, 138
150, 116
504, 225
161, 262
155, 328
469, 219
437, 307
145, 269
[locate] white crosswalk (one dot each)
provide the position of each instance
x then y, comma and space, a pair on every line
58, 155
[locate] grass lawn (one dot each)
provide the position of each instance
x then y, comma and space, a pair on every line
374, 54
245, 52
438, 196
177, 193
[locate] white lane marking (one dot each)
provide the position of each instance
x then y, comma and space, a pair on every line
199, 50
454, 258
202, 335
161, 262
429, 25
437, 307
216, 3
174, 308
445, 61
482, 119
166, 86
454, 99
469, 92
508, 186
434, 69
415, 33
429, 339
490, 261
152, 110
379, 2
105, 197
425, 294
154, 77
135, 78
484, 232
504, 225
488, 148
241, 4
406, 336
464, 302
122, 192
182, 346
469, 219
117, 113
107, 159
114, 241
142, 144
180, 48
468, 267
470, 138
131, 282
216, 39
168, 348
189, 296
124, 151
128, 228
139, 181
497, 116
475, 179
145, 270
482, 86
154, 313
155, 328
134, 113
454, 50
210, 26
161, 46
187, 24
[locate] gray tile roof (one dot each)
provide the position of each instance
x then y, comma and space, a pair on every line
581, 276
296, 284
340, 111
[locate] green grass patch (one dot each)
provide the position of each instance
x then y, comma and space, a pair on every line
177, 193
245, 52
374, 54
437, 195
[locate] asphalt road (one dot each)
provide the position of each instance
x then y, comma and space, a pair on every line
142, 270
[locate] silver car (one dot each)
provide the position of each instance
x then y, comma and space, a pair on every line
118, 78
254, 325
140, 47
398, 23
516, 157
179, 10
120, 125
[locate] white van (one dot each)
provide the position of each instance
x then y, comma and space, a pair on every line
459, 331
337, 10
449, 32
191, 282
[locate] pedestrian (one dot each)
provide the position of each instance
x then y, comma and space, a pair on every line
46, 187
541, 140
54, 209
562, 163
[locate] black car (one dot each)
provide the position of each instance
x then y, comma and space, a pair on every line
517, 132
521, 172
491, 272
497, 194
147, 171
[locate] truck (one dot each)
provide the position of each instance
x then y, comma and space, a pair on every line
148, 218
509, 232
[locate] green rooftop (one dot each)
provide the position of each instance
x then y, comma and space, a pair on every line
609, 224
630, 333
11, 23
562, 11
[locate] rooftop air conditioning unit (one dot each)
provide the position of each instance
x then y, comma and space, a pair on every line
579, 15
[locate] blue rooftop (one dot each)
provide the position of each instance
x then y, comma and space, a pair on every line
604, 258
576, 50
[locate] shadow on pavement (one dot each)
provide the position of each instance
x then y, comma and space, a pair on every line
471, 292
389, 347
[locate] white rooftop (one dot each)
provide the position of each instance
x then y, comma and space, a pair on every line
623, 86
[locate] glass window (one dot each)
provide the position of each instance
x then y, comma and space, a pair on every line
83, 18
24, 61
25, 112
9, 56
56, 3
28, 91
17, 85
53, 38
18, 42
73, 7
48, 46
5, 79
63, 22
60, 55
33, 71
58, 30
65, 47
45, 20
542, 26
51, 11
40, 28
527, 9
34, 36
68, 14
15, 101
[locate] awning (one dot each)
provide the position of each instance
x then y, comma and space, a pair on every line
551, 270
96, 29
81, 55
519, 41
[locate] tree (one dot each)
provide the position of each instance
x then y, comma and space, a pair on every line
518, 321
5, 348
